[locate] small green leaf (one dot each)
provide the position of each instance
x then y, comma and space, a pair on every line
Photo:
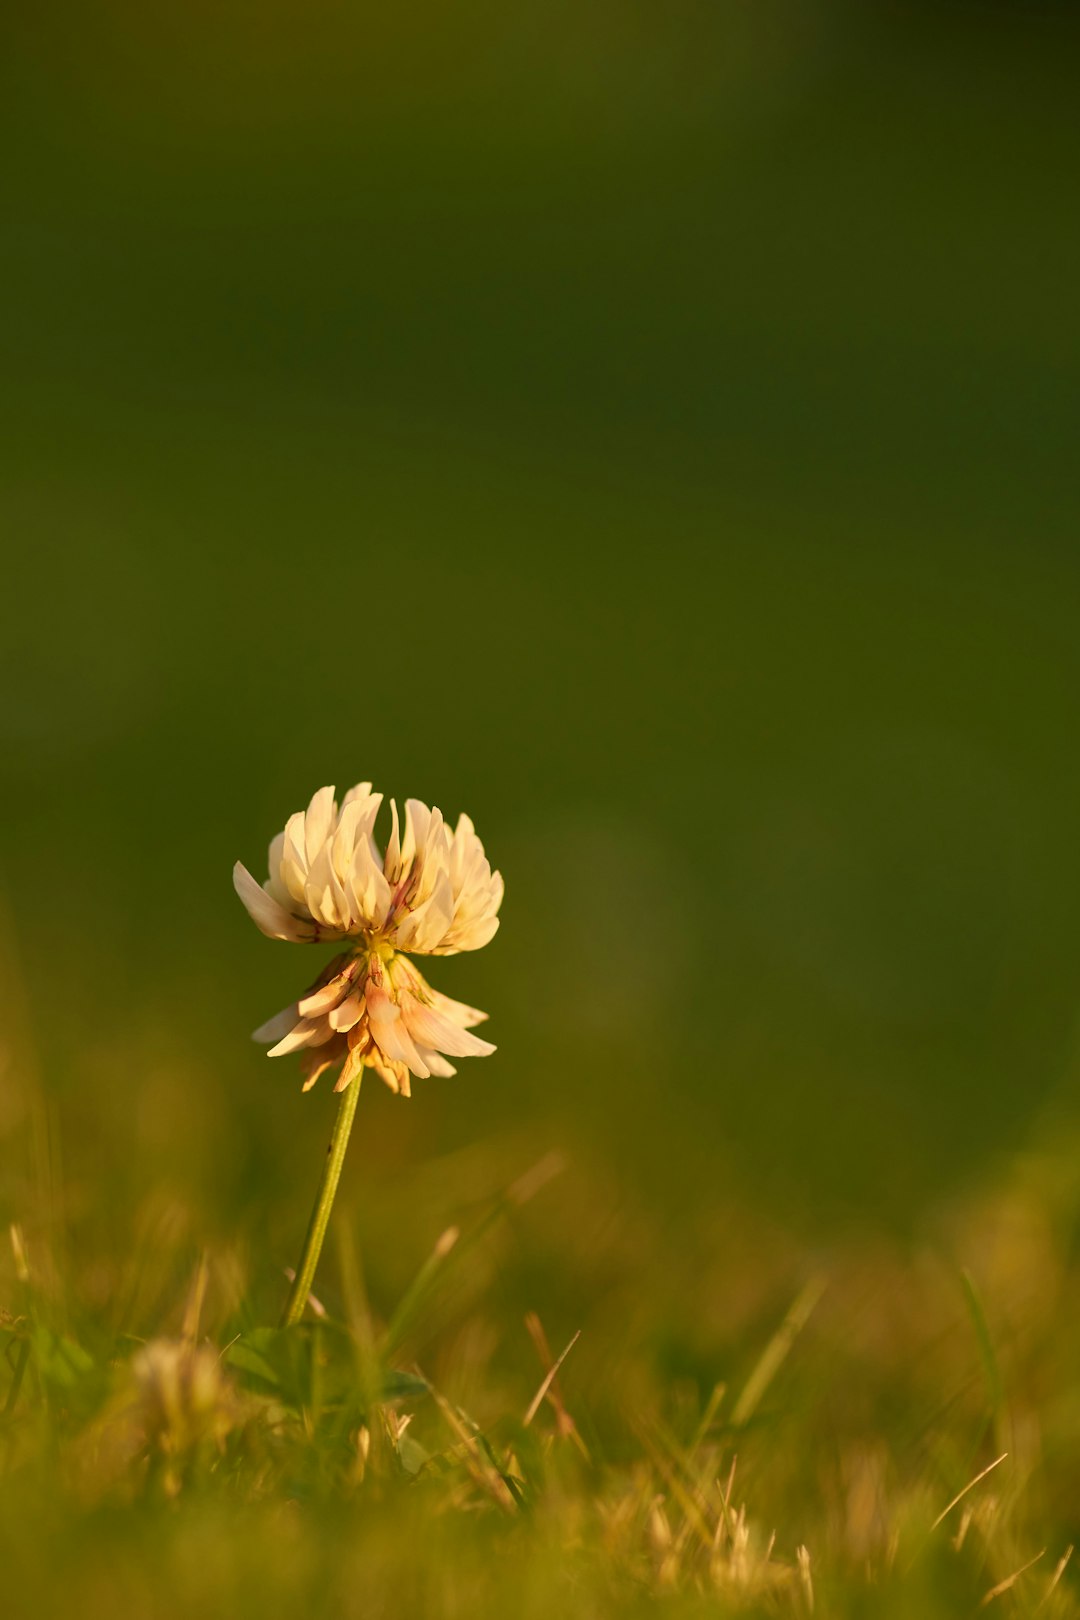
399, 1386
245, 1358
60, 1360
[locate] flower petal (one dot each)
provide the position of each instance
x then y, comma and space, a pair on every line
276, 1027
308, 1032
318, 822
266, 913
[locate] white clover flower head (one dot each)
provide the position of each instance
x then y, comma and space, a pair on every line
433, 893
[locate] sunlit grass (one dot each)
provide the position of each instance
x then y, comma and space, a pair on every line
895, 1439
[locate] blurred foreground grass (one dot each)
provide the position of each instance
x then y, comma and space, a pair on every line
746, 1424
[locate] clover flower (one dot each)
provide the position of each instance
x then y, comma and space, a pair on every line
433, 893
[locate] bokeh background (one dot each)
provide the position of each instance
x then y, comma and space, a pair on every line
649, 428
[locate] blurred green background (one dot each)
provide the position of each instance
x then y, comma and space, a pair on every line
649, 428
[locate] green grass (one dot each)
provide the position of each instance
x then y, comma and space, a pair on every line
723, 1425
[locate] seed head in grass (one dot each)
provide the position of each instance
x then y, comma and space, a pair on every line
433, 893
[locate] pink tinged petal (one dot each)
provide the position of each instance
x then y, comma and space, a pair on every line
456, 1011
381, 1007
349, 1013
409, 981
267, 913
318, 821
316, 1069
437, 1063
353, 1070
396, 1045
429, 1027
328, 992
389, 1034
308, 1032
276, 1027
395, 1075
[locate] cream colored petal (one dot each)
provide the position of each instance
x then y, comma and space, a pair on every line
344, 839
428, 1027
471, 936
353, 1070
395, 1075
456, 1011
275, 885
417, 820
349, 1013
321, 814
389, 1034
294, 861
368, 889
326, 899
409, 981
437, 1063
362, 790
317, 1066
267, 913
331, 987
466, 936
355, 824
424, 928
464, 837
433, 856
392, 862
395, 1042
308, 1032
276, 1027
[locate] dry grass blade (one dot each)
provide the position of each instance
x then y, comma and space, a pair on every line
1059, 1571
18, 1250
672, 1465
482, 1469
1010, 1580
565, 1426
959, 1497
545, 1387
805, 1578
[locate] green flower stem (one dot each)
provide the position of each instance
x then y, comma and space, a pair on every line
324, 1202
